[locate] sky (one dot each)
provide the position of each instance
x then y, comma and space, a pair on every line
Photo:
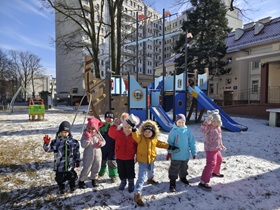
251, 168
25, 26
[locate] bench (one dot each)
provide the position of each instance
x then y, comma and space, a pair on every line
274, 117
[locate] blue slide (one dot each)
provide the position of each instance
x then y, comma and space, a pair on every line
162, 118
208, 104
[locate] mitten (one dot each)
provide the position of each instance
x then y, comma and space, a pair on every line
168, 156
117, 121
77, 164
87, 135
97, 144
172, 147
47, 139
194, 157
223, 148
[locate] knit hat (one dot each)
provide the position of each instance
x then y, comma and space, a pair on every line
149, 127
180, 117
215, 115
64, 126
95, 123
109, 114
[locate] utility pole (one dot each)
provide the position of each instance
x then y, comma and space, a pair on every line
137, 25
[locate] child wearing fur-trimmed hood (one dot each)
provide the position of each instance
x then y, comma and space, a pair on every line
211, 128
147, 141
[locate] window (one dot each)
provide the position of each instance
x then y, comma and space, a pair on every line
75, 90
255, 65
255, 86
180, 83
211, 88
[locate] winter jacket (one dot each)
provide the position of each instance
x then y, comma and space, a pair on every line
125, 146
213, 137
108, 151
66, 152
182, 138
146, 148
91, 149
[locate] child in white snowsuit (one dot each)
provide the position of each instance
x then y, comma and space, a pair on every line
92, 142
66, 156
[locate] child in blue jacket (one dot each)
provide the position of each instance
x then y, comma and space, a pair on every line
181, 137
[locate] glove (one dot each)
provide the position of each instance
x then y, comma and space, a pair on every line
130, 123
194, 157
209, 119
172, 147
168, 156
77, 164
47, 139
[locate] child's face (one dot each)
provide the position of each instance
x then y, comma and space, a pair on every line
91, 130
64, 134
108, 120
126, 128
215, 123
147, 134
180, 123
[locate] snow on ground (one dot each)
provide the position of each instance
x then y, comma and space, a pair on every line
251, 167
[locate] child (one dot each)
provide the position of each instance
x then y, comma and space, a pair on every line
125, 150
91, 142
66, 156
108, 151
181, 137
146, 153
211, 129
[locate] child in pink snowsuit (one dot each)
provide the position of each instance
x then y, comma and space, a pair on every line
211, 129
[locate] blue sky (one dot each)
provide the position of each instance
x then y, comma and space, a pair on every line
25, 26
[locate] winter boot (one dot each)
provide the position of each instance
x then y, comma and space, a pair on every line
152, 181
130, 185
185, 181
102, 171
113, 173
94, 183
61, 189
123, 184
82, 185
172, 187
138, 199
72, 186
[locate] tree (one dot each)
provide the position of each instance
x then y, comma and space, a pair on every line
208, 25
88, 19
25, 66
5, 75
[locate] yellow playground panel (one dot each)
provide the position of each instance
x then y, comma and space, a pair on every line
36, 109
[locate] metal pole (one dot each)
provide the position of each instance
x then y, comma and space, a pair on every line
137, 25
163, 65
186, 68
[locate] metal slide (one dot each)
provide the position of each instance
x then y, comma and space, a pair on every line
162, 118
208, 104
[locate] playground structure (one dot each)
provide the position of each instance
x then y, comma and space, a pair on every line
155, 101
36, 109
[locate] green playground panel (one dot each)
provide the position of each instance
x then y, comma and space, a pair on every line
36, 109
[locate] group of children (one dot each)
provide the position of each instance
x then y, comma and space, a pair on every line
118, 143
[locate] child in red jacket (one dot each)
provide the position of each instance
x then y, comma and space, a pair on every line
125, 150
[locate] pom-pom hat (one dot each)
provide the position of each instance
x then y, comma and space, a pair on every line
94, 123
215, 115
